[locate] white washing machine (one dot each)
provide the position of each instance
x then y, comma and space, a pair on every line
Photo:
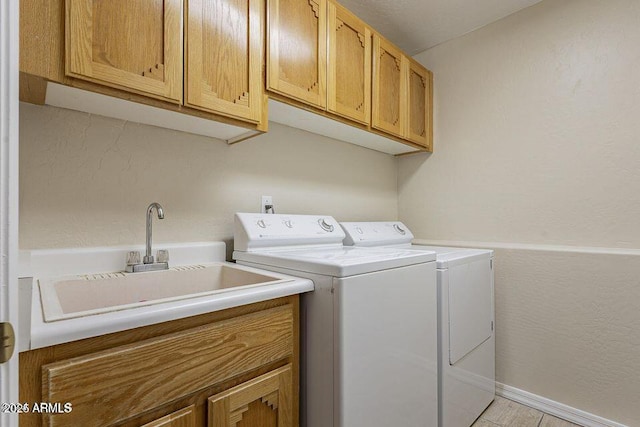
466, 339
369, 346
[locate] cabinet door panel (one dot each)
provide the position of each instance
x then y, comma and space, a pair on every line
183, 418
133, 44
262, 402
349, 71
419, 104
109, 386
224, 54
297, 49
388, 109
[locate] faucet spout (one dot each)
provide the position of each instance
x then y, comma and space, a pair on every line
148, 259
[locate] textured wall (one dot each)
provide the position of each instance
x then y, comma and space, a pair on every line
86, 180
537, 141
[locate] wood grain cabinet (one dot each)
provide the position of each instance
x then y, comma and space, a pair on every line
389, 108
263, 402
349, 65
297, 50
132, 44
224, 40
216, 369
183, 418
420, 106
198, 57
401, 104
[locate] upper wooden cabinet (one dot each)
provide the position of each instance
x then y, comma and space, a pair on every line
389, 91
210, 59
419, 83
402, 95
369, 81
297, 50
349, 65
224, 41
133, 44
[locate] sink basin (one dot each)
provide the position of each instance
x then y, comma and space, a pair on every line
76, 296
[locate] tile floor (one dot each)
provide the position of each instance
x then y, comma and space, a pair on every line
506, 413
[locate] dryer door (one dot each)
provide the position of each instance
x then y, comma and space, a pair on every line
470, 307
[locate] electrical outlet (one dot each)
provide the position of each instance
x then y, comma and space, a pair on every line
266, 201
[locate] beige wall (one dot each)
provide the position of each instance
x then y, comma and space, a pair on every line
86, 180
537, 141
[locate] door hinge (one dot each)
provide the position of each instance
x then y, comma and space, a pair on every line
8, 341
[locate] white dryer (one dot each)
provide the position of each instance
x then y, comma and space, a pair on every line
466, 339
369, 347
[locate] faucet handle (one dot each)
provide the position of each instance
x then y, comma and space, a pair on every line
133, 258
162, 255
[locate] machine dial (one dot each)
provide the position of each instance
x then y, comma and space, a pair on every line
261, 223
325, 225
288, 223
399, 229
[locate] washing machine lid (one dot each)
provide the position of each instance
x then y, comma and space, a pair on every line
338, 261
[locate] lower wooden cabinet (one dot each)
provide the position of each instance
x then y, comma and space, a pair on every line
262, 402
183, 418
216, 369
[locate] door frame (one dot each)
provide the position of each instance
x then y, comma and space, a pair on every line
9, 83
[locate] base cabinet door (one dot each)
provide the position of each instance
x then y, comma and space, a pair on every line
183, 418
265, 401
297, 50
130, 44
224, 57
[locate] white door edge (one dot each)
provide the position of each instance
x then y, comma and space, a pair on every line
9, 45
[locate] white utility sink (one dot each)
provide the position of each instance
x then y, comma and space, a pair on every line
76, 296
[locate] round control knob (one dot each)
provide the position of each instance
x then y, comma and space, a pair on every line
325, 225
261, 223
399, 229
359, 230
288, 223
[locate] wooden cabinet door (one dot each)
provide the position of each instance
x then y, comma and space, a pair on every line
297, 43
265, 401
419, 104
224, 57
349, 66
389, 88
183, 418
132, 44
110, 386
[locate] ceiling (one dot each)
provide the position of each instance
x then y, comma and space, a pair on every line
416, 25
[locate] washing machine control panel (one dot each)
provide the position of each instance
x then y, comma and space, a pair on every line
256, 230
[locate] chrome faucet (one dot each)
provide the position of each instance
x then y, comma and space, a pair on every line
148, 258
149, 264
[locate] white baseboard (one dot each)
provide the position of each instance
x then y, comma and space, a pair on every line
553, 408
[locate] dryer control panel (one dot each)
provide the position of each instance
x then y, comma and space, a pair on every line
383, 233
259, 231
